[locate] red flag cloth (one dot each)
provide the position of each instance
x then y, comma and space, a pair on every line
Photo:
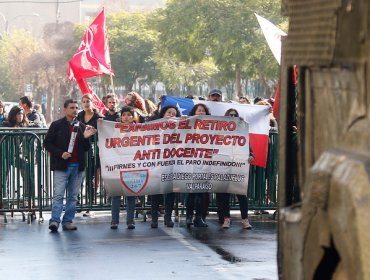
92, 57
85, 88
275, 108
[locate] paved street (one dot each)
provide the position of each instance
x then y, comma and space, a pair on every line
94, 251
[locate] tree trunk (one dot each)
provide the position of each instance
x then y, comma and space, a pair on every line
129, 87
238, 82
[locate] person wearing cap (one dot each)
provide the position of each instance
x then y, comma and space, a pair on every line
215, 95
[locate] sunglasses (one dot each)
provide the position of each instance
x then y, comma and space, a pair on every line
233, 115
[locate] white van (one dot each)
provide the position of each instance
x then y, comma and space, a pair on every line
9, 105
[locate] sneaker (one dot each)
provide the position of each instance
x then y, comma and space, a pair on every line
226, 223
53, 226
131, 225
113, 225
246, 224
69, 226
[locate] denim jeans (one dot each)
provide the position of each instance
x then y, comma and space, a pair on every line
243, 204
69, 180
116, 205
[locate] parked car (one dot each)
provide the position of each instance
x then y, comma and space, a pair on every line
9, 105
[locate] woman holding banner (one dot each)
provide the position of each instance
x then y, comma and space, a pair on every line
197, 201
243, 200
166, 112
127, 116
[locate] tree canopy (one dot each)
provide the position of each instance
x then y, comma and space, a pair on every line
15, 50
226, 30
188, 45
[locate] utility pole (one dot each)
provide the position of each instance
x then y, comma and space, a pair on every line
57, 15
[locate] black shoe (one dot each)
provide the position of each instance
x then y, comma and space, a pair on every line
131, 225
154, 224
220, 220
113, 225
168, 222
189, 221
198, 222
53, 226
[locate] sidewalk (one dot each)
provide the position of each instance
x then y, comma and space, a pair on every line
94, 251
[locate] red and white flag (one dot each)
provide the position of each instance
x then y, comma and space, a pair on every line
92, 58
256, 115
85, 88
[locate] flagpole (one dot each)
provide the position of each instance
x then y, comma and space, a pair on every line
111, 83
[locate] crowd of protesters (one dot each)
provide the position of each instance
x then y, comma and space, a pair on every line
68, 163
22, 115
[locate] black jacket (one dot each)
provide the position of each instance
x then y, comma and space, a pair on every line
113, 118
92, 121
34, 119
57, 140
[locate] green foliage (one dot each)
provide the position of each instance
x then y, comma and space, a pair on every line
185, 45
131, 48
226, 30
15, 51
176, 74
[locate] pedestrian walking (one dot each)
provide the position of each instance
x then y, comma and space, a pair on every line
67, 141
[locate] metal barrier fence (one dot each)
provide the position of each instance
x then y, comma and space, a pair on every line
26, 179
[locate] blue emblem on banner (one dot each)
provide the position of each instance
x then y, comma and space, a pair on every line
134, 180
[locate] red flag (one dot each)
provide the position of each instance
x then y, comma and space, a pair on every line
85, 88
275, 108
92, 57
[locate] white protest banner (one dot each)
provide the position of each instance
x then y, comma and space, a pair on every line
196, 154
